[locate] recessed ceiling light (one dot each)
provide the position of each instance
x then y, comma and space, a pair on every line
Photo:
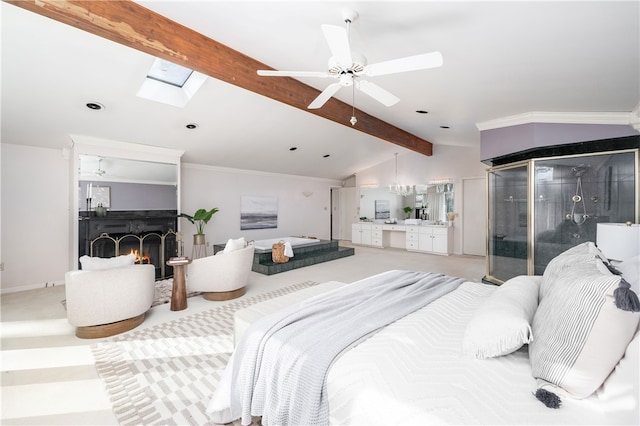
444, 127
95, 106
191, 126
293, 148
325, 156
421, 111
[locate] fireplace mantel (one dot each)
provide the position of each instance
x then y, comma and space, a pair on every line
126, 222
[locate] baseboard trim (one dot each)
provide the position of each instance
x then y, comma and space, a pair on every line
28, 287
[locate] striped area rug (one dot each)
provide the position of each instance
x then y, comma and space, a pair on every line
166, 374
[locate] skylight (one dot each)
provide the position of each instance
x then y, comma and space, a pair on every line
168, 72
170, 83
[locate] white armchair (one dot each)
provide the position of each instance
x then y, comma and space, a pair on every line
101, 303
223, 276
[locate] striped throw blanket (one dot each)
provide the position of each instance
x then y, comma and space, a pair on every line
278, 370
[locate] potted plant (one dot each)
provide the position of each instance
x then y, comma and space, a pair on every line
200, 218
407, 211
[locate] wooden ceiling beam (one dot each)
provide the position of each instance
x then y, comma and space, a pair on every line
135, 26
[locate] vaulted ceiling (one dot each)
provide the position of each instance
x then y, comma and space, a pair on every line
500, 59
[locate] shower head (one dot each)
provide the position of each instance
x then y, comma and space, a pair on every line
578, 171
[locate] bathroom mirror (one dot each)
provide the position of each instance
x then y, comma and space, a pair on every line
429, 202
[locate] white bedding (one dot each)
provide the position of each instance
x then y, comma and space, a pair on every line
413, 372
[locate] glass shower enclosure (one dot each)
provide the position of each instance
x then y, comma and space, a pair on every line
541, 207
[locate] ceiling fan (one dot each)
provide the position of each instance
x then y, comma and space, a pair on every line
348, 67
99, 172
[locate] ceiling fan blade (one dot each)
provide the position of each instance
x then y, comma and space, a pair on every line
338, 44
324, 96
409, 63
377, 93
274, 73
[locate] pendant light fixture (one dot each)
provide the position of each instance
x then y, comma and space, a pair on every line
396, 188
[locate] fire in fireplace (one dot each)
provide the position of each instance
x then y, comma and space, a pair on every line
141, 259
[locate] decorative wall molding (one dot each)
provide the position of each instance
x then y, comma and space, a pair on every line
615, 118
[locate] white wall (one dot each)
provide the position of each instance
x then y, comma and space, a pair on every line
34, 232
208, 187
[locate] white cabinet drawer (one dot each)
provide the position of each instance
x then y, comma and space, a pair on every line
440, 231
412, 236
412, 245
399, 228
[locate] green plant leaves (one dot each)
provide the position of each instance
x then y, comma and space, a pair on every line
200, 218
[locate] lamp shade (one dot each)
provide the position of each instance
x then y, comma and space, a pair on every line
618, 241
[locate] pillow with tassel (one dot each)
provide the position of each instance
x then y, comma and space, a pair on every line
502, 323
582, 328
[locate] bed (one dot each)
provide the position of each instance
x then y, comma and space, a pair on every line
442, 363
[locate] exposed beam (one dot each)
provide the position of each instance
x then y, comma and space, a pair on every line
135, 26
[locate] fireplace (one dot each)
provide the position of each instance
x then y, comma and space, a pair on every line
149, 234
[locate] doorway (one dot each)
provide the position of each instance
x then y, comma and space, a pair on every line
474, 216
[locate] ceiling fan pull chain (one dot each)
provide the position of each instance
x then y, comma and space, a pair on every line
353, 119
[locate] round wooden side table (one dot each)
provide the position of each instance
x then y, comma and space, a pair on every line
179, 290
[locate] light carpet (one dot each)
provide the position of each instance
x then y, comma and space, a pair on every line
163, 289
166, 374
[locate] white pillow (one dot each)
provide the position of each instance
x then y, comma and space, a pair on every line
97, 263
566, 259
233, 245
502, 324
580, 334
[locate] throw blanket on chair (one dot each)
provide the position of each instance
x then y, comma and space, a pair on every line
278, 370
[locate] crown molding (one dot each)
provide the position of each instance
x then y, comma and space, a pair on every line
635, 118
617, 118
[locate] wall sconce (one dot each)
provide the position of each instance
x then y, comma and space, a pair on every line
307, 194
618, 241
439, 181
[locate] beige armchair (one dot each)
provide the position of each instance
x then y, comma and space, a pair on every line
223, 276
101, 303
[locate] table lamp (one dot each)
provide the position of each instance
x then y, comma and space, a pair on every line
618, 241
